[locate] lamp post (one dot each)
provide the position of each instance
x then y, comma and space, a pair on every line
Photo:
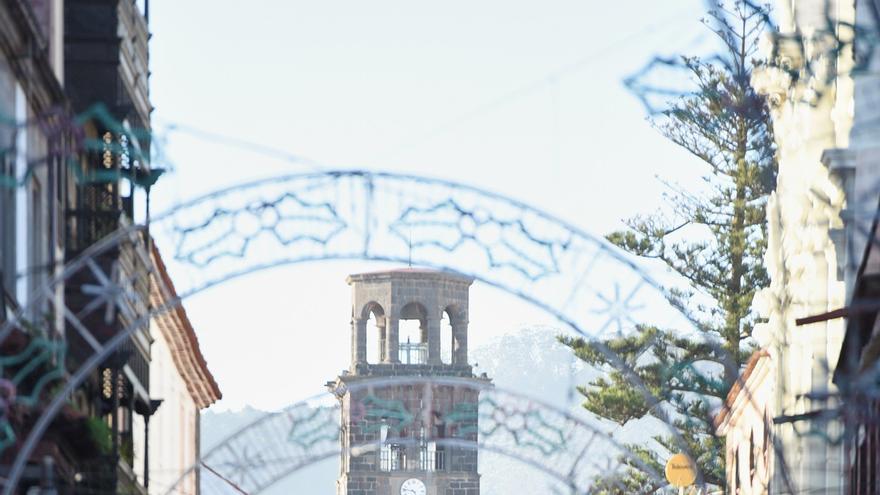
148, 412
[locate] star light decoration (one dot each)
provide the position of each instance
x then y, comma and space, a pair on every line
109, 292
243, 464
618, 311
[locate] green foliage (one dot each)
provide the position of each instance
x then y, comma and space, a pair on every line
636, 481
715, 239
100, 434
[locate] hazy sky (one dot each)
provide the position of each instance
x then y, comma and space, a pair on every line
521, 98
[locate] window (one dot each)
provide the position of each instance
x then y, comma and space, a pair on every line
413, 334
432, 457
7, 185
412, 349
446, 337
372, 316
436, 454
392, 455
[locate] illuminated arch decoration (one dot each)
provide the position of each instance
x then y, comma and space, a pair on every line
552, 441
585, 282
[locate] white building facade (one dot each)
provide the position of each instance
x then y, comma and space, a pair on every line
746, 423
825, 118
180, 378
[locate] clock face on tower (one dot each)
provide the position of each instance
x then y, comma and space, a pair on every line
413, 486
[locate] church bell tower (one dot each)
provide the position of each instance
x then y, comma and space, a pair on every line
409, 406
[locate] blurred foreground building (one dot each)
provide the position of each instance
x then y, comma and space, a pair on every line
74, 167
826, 120
167, 443
857, 375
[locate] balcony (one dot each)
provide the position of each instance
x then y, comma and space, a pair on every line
106, 58
413, 353
98, 476
125, 266
396, 457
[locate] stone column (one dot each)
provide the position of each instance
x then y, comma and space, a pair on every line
459, 343
423, 331
392, 334
433, 339
358, 341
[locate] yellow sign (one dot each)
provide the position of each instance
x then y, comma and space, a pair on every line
680, 471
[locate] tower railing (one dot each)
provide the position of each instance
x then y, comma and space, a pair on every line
394, 457
413, 353
432, 460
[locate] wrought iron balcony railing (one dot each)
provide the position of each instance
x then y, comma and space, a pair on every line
413, 353
396, 457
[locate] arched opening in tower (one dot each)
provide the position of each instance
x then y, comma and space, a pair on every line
375, 334
446, 336
413, 334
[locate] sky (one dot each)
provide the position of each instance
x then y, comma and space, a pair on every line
521, 98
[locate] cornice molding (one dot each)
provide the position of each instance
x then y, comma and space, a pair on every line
178, 332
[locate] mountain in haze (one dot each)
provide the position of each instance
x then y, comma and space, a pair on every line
529, 362
216, 426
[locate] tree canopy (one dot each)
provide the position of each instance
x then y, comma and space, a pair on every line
715, 238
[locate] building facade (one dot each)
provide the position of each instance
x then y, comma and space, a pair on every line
747, 425
403, 434
75, 162
857, 374
825, 118
857, 365
33, 181
181, 386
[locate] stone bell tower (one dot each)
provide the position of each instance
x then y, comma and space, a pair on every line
409, 415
